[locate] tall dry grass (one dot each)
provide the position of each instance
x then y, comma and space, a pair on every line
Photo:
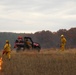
46, 62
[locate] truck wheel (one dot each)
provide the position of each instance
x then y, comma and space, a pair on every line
38, 48
17, 50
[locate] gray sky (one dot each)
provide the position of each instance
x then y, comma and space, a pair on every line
36, 15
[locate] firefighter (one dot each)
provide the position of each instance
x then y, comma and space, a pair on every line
28, 44
63, 43
7, 49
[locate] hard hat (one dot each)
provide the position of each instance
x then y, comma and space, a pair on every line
19, 37
62, 35
7, 41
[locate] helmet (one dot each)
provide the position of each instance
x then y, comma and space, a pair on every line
19, 37
62, 35
7, 41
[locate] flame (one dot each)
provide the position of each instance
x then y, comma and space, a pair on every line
1, 61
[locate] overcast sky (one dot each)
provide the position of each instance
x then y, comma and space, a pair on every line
37, 15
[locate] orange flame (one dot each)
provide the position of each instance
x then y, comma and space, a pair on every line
1, 61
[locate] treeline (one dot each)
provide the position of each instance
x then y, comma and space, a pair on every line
47, 39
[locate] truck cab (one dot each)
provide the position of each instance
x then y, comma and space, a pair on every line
26, 43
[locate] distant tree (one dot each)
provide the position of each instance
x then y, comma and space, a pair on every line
47, 39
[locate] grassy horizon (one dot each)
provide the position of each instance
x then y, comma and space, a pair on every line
46, 62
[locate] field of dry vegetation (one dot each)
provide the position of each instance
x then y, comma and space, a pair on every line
46, 62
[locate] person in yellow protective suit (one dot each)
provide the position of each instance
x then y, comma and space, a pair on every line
63, 43
28, 44
7, 49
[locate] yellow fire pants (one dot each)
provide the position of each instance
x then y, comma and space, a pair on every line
8, 53
62, 47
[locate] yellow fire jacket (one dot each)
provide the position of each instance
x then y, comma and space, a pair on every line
7, 47
63, 41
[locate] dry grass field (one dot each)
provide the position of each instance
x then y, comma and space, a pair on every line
46, 62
